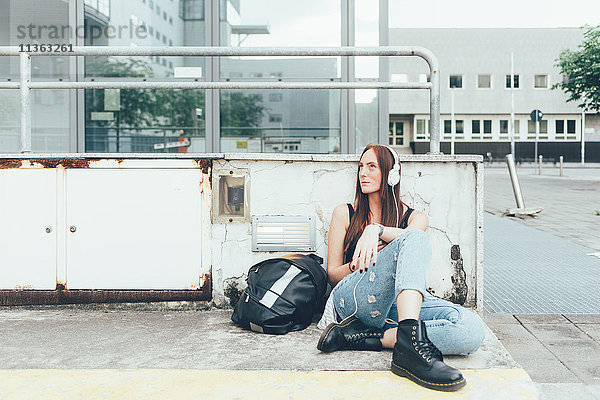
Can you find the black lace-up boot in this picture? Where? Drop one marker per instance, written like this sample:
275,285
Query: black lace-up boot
350,334
417,359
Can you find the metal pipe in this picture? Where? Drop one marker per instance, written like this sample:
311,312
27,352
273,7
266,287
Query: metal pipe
560,161
583,137
540,157
416,51
512,103
10,85
512,170
25,66
229,85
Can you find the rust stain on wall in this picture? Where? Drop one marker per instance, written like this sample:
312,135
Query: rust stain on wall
10,163
205,165
62,295
63,162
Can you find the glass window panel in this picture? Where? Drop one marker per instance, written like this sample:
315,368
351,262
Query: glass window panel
460,126
475,127
541,81
447,126
531,127
366,116
517,126
571,126
503,126
282,23
487,126
455,81
421,129
366,22
484,81
144,121
132,23
37,22
516,81
560,126
306,121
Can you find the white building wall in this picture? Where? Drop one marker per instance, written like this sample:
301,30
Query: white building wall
447,189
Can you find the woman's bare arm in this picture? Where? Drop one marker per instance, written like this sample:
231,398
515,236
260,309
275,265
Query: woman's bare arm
336,269
367,248
417,220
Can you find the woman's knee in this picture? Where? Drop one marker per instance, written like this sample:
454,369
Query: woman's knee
414,238
473,332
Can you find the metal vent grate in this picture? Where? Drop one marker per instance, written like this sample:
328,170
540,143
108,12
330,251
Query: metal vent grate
283,233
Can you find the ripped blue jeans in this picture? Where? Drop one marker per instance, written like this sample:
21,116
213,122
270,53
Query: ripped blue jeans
403,264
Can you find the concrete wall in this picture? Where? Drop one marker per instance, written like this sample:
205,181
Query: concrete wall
448,189
141,221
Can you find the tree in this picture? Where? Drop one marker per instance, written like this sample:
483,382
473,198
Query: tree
166,107
242,111
581,69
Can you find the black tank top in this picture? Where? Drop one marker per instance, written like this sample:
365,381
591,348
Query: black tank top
348,254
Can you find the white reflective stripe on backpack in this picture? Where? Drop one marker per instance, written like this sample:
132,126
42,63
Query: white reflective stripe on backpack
279,286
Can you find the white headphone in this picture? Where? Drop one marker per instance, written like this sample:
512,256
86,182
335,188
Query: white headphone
394,174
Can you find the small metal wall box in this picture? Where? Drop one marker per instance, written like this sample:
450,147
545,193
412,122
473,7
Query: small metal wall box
231,202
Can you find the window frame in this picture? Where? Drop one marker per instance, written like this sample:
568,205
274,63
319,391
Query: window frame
462,81
540,87
516,88
485,88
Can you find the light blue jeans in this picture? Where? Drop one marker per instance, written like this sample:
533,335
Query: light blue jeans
403,264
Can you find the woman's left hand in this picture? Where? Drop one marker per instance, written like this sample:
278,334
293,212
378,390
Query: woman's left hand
366,249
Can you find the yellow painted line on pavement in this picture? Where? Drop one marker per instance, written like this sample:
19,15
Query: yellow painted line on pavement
493,383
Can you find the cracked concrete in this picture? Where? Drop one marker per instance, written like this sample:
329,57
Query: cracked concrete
444,190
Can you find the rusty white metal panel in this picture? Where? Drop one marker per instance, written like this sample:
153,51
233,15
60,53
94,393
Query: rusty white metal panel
133,229
28,229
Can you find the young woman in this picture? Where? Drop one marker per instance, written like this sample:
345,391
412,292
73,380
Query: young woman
377,261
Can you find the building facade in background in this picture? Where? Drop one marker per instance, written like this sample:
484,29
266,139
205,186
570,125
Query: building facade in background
476,78
475,67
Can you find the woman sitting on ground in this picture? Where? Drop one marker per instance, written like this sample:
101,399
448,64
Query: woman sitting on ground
377,261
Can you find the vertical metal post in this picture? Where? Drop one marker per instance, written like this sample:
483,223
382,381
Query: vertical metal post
452,124
510,161
583,137
434,110
383,96
537,137
512,104
540,164
560,161
25,65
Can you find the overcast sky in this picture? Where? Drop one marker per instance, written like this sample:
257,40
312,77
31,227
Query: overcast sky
297,23
494,14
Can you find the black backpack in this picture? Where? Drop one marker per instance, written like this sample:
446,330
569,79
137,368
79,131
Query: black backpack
282,294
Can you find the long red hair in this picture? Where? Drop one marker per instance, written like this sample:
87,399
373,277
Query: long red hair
360,219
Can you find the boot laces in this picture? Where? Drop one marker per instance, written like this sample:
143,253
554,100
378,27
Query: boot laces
359,337
429,350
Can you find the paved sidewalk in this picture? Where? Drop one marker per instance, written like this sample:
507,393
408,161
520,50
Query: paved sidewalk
91,353
527,270
569,202
561,353
542,276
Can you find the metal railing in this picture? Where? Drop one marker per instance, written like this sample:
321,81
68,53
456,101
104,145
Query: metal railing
25,85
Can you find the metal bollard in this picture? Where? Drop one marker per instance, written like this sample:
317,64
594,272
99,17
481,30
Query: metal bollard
560,161
540,164
510,160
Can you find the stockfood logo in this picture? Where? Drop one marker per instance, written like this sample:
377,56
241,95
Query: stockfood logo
35,32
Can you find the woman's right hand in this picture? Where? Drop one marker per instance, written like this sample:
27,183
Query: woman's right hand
366,249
